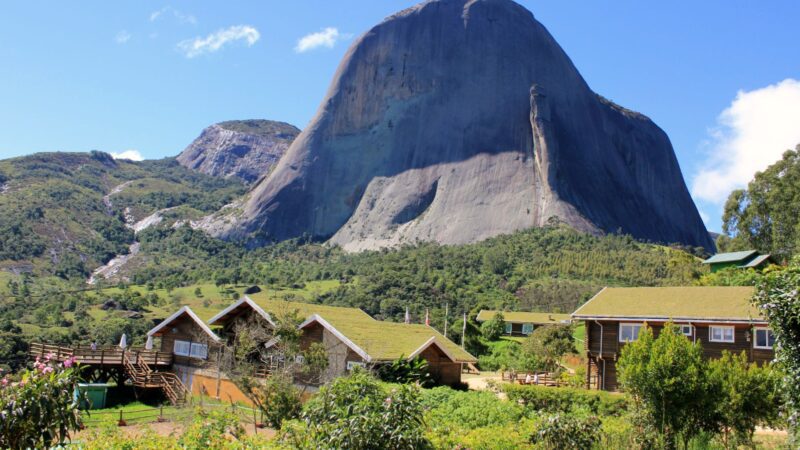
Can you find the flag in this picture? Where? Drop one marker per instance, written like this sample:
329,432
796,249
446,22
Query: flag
427,318
408,317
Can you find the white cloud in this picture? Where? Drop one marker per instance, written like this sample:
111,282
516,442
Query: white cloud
215,41
133,155
325,38
752,133
122,37
178,15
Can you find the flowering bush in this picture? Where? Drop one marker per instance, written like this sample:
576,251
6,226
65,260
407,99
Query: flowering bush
39,410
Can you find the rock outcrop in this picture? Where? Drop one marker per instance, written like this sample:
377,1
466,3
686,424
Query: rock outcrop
457,120
245,149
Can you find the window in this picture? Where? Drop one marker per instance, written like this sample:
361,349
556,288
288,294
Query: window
763,338
527,328
352,364
509,327
629,331
720,334
199,351
181,348
686,330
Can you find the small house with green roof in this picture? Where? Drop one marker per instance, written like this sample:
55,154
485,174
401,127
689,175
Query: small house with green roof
748,259
720,318
350,336
521,323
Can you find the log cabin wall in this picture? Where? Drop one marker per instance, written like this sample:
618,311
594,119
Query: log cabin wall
442,369
186,329
611,347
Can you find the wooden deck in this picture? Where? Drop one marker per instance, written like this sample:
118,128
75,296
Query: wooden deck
138,365
112,356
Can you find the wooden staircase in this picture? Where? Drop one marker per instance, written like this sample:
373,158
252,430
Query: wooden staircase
143,377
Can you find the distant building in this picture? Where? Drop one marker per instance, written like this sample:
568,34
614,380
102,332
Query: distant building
720,318
520,323
746,259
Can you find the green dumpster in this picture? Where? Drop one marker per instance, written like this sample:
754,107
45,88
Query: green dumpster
94,395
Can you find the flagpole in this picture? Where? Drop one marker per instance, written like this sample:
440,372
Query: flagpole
446,309
464,330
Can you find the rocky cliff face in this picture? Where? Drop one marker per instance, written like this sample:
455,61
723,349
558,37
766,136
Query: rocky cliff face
245,149
457,120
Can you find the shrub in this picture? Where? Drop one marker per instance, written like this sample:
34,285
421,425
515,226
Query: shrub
555,400
39,410
468,410
357,412
493,328
668,381
405,371
567,432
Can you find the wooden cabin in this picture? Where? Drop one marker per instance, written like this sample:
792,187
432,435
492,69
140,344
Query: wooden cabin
521,323
748,259
719,318
370,342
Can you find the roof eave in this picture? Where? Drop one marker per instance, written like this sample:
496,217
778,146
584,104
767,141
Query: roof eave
673,319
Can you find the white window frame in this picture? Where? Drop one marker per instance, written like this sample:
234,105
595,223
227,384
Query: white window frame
636,326
509,328
527,328
198,351
353,364
723,328
181,347
755,338
684,327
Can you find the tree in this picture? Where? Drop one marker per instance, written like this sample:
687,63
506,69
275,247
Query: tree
548,344
493,328
745,395
358,413
765,216
666,377
278,398
39,411
778,298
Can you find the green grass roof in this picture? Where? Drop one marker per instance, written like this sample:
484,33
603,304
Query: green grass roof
524,317
380,340
696,303
729,257
275,306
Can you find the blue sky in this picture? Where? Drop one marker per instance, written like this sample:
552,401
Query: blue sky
718,76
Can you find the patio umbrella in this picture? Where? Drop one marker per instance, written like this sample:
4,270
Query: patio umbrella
149,344
123,341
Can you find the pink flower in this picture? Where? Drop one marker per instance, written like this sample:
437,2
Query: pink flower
69,362
47,370
4,382
49,357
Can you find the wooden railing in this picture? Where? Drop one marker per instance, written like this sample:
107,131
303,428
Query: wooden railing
142,376
102,356
535,378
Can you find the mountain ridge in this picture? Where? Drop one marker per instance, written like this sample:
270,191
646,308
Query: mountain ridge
404,132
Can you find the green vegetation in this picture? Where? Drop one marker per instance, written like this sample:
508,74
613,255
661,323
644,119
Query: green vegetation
37,407
764,216
678,395
778,298
64,214
359,413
